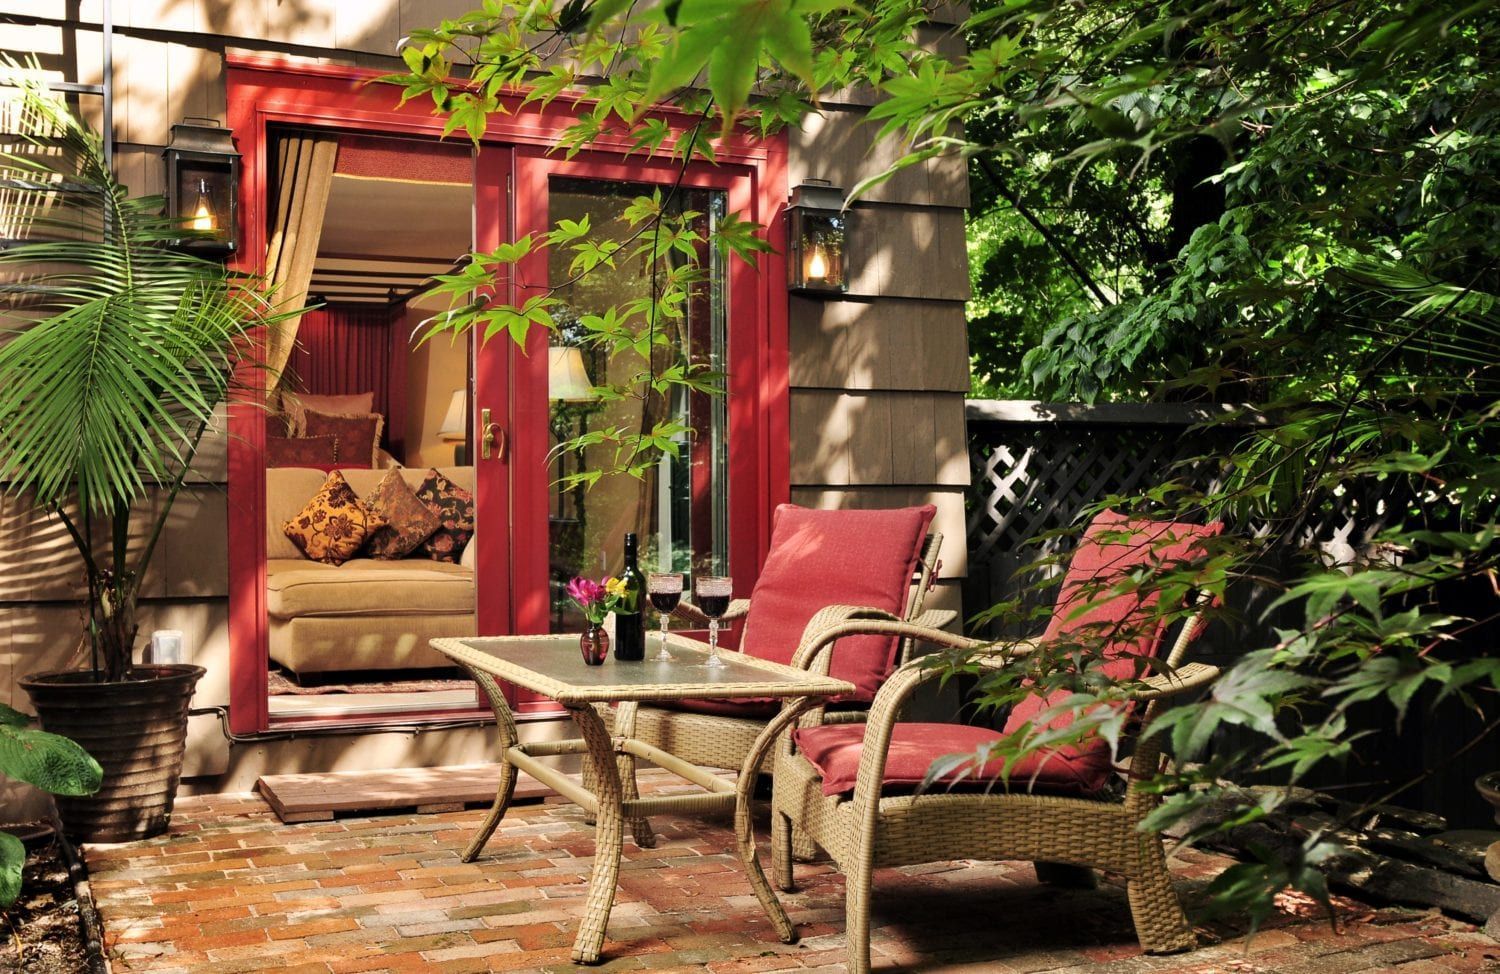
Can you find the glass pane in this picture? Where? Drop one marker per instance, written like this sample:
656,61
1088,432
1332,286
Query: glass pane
680,508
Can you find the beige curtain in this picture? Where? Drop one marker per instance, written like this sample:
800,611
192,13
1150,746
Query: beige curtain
305,176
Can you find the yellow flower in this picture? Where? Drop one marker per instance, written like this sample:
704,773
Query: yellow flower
615,587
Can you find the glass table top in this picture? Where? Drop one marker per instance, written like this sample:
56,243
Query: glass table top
552,665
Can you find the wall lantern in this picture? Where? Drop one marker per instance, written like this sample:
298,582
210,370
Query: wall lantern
203,186
817,230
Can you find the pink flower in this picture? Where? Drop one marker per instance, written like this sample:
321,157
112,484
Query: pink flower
593,599
586,592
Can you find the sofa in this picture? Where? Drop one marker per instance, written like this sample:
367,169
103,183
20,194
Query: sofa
365,614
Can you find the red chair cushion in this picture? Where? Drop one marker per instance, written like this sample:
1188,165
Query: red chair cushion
834,749
823,558
1104,558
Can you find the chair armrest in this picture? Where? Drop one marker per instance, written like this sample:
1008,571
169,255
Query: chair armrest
837,621
687,610
1184,679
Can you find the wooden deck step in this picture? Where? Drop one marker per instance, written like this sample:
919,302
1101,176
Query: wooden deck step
319,797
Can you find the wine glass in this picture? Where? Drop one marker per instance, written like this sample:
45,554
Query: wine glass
711,594
665,591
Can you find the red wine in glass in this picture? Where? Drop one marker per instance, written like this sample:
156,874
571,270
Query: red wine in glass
664,589
713,594
665,602
713,606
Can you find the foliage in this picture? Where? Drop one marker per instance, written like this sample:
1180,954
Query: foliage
119,349
50,762
1286,203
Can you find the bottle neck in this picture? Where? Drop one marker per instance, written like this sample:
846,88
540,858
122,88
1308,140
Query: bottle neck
631,551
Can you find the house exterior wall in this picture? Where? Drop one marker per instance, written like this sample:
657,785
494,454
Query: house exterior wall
877,378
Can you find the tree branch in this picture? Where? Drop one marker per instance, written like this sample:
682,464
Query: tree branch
1052,239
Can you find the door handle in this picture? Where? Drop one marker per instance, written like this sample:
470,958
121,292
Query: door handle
492,438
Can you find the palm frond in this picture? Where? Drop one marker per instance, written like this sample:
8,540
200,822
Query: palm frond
105,393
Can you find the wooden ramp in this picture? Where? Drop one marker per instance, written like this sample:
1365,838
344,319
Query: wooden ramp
319,797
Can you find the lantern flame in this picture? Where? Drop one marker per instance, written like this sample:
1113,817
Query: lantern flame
817,264
203,217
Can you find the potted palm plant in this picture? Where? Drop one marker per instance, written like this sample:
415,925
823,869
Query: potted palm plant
118,350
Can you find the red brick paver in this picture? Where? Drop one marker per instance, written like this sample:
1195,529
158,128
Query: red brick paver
231,889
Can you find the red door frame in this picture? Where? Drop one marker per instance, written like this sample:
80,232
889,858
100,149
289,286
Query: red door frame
264,92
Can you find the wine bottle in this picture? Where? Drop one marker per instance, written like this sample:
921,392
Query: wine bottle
630,634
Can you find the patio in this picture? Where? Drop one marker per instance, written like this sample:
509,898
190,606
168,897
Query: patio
232,889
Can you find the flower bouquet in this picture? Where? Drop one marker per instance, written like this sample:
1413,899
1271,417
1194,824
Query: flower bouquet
595,600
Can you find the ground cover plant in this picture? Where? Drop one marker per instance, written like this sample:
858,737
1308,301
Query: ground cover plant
1291,205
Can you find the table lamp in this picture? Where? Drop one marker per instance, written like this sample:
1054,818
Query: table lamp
455,427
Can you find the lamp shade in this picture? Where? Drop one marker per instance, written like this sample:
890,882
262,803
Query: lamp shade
567,380
455,421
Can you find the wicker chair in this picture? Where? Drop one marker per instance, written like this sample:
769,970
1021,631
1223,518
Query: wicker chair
867,829
718,740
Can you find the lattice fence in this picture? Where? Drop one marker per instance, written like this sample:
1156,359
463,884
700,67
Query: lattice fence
1036,467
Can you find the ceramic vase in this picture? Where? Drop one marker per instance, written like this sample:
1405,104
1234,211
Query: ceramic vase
594,644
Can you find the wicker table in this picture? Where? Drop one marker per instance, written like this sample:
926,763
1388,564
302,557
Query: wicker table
553,667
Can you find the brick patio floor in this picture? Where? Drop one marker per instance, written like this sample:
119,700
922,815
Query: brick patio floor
232,889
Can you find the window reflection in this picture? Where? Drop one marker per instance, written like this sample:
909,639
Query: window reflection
679,508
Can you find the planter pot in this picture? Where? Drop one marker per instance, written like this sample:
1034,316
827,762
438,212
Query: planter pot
136,729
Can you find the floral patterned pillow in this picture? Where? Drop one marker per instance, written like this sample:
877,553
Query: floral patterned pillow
455,506
409,522
334,524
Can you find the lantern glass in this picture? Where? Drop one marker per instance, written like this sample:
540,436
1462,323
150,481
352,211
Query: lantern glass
821,252
203,199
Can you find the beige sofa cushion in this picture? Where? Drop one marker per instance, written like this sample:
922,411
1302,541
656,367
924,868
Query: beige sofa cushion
319,644
367,587
288,489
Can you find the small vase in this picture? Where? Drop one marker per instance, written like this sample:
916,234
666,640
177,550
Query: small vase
594,644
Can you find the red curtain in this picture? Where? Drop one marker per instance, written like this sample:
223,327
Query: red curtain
342,350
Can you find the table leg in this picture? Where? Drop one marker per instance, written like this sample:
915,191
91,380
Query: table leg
609,835
505,730
745,830
640,825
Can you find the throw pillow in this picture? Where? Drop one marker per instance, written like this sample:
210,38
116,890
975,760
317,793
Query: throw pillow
295,405
359,436
334,524
409,522
455,506
302,451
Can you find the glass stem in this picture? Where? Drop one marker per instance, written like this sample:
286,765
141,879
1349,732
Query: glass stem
713,640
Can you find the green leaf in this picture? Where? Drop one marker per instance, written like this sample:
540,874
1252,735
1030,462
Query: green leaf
51,762
12,862
789,41
731,73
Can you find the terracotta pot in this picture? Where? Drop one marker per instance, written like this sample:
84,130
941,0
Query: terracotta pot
594,644
136,729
